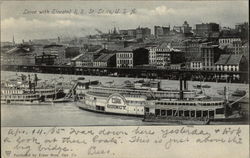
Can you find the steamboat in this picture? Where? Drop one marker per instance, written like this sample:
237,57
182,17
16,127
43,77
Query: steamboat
23,91
154,104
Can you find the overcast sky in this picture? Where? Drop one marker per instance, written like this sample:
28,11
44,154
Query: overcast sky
15,22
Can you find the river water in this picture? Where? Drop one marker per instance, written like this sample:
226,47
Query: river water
68,114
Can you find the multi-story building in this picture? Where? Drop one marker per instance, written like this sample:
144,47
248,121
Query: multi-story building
139,32
186,29
124,57
59,51
196,65
190,47
245,48
210,55
165,59
164,47
228,41
152,55
143,32
132,32
83,60
18,60
162,55
233,44
45,59
237,47
178,29
130,57
19,55
205,29
161,31
243,30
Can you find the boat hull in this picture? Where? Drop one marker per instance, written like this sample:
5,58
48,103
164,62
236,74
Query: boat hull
85,107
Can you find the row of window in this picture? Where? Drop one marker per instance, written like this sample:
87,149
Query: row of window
188,104
21,96
124,55
124,61
198,65
11,92
230,40
227,69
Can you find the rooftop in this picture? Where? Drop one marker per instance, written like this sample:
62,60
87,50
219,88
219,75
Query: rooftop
229,59
104,57
83,57
126,49
52,45
234,59
223,59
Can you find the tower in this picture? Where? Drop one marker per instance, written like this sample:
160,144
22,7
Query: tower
58,40
13,40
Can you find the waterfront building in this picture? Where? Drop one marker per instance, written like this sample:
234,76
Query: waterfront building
192,47
162,55
45,59
210,55
155,58
231,62
83,60
152,55
177,66
19,55
196,65
73,51
59,51
131,56
105,60
124,57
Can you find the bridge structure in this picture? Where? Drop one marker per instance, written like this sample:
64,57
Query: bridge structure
196,75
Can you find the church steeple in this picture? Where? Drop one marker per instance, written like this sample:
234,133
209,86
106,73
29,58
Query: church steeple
13,41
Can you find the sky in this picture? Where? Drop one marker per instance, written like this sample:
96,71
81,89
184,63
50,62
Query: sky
25,19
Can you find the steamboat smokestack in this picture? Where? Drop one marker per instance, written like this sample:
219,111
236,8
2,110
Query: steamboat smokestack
30,87
181,90
185,84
